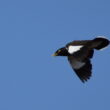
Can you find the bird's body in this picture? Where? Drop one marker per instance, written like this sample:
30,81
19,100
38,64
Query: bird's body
79,55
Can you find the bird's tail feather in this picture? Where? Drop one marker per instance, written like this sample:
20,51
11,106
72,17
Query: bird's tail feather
100,43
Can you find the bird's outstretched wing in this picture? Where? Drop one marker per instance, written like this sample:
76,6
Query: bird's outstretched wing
82,69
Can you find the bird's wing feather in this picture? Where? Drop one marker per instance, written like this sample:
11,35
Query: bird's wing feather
83,53
80,49
82,69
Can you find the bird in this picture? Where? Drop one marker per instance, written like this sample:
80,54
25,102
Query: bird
79,54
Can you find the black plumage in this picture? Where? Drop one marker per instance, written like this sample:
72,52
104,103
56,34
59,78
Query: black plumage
79,55
85,72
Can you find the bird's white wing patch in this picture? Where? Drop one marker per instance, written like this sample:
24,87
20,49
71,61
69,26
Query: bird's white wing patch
72,49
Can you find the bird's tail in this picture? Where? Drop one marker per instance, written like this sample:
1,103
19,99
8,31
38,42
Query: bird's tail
100,43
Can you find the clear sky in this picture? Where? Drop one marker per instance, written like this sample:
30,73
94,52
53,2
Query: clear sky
30,31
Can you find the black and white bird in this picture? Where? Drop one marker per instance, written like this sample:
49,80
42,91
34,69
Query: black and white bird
79,54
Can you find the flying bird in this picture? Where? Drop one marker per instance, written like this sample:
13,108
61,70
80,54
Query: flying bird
79,54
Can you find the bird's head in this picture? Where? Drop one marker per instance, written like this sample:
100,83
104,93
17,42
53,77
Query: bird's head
61,52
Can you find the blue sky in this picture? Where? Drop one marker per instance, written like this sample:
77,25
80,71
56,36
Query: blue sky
30,31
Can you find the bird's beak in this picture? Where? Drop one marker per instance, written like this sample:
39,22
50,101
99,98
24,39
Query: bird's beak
55,54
